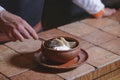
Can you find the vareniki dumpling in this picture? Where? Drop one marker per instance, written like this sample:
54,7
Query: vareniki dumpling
61,44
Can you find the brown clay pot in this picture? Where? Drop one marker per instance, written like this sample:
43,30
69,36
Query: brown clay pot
58,55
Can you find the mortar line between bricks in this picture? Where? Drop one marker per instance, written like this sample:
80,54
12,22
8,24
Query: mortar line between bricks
16,51
60,76
13,49
100,46
103,47
104,32
109,33
19,73
69,33
90,25
109,50
97,27
5,76
92,65
102,29
87,34
20,55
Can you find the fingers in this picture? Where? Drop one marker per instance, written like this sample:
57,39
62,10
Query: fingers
23,32
10,36
31,30
17,35
16,28
114,11
109,12
20,33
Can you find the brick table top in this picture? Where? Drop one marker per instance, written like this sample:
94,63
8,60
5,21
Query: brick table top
100,38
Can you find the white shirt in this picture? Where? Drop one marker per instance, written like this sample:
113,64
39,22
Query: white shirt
91,6
1,9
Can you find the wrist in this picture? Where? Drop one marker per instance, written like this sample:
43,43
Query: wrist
99,14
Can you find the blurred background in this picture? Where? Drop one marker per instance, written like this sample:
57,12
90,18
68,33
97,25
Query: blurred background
61,12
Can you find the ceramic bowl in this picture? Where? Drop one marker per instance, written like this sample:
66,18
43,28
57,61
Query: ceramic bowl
60,56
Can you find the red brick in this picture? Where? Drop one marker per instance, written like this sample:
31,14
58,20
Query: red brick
33,75
46,35
113,29
113,45
77,73
10,69
5,53
16,64
98,37
99,23
85,45
27,46
100,57
77,29
3,77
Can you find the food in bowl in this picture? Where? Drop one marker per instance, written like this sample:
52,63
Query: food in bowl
60,49
61,44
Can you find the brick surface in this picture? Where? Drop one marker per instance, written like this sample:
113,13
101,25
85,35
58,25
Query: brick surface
114,29
5,53
46,35
3,77
10,69
11,63
78,29
32,75
113,45
76,73
26,46
15,65
98,37
85,45
99,23
100,57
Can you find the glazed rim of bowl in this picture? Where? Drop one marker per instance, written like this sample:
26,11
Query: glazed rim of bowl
67,38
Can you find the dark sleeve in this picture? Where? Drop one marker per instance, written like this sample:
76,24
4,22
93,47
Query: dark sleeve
30,10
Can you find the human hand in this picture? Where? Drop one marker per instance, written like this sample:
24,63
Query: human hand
15,27
108,12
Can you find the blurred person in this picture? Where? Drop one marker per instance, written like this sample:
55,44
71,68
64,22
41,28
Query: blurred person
21,19
95,7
